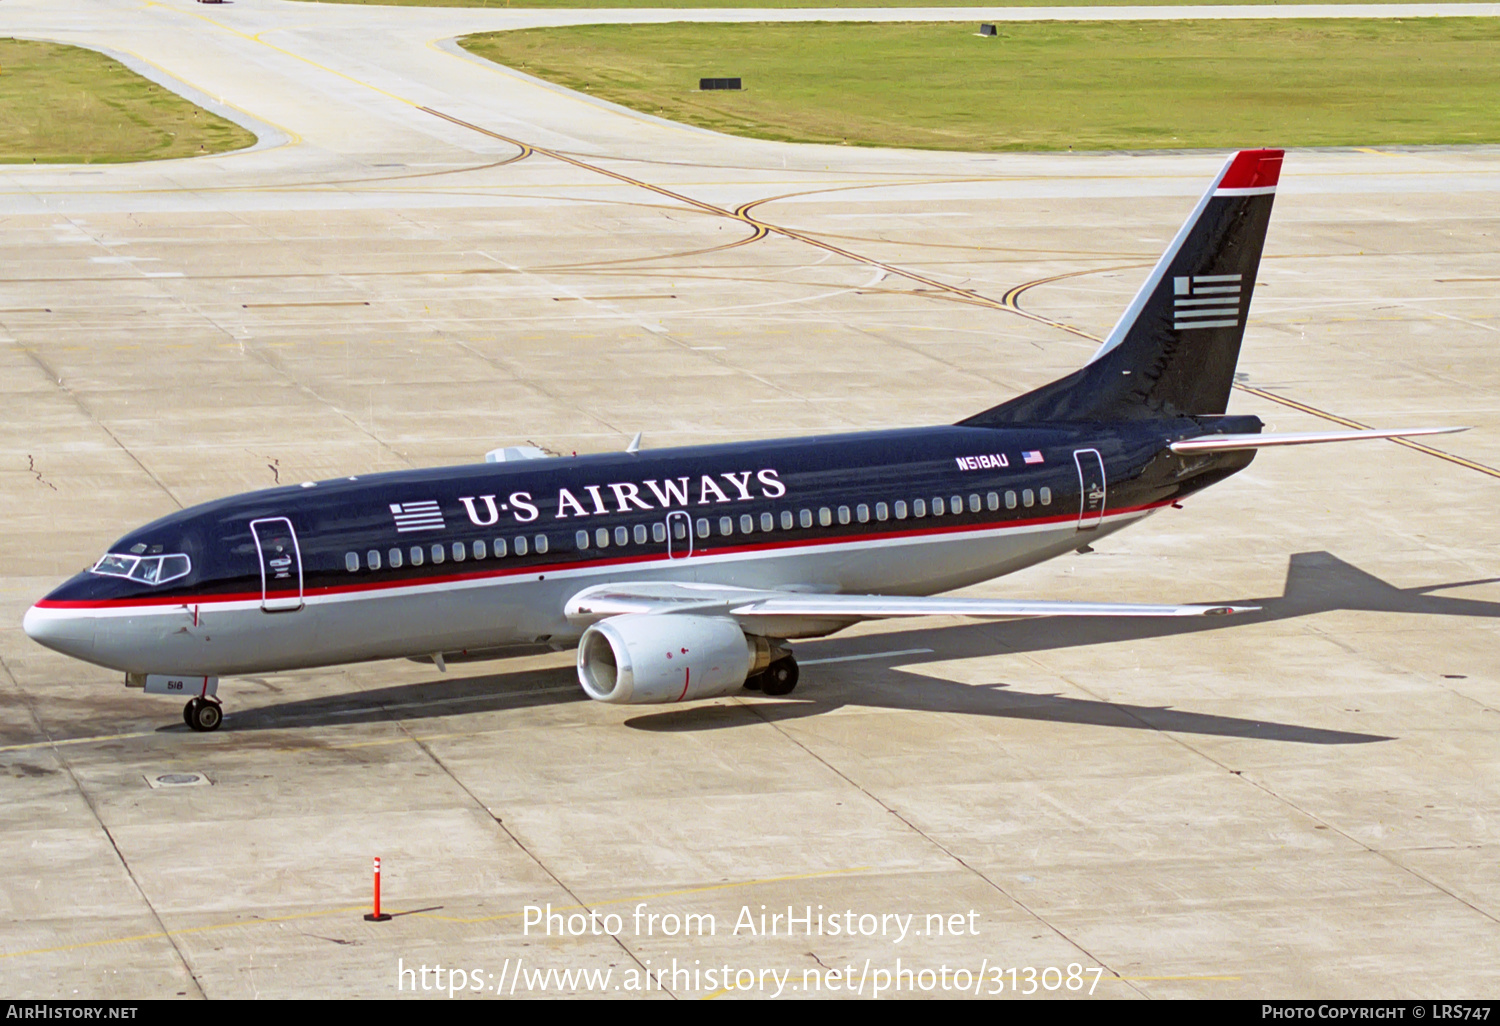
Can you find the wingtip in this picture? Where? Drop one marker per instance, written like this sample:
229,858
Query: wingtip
1229,610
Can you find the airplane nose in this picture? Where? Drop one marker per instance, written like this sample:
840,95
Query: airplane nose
61,630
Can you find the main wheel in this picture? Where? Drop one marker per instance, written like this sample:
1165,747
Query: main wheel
207,715
189,710
780,677
756,681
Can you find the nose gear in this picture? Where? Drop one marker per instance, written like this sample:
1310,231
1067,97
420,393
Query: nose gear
203,714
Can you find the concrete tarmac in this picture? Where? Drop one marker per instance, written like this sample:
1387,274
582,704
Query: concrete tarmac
430,256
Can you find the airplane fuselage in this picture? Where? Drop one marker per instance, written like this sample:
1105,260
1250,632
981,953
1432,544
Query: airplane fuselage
482,557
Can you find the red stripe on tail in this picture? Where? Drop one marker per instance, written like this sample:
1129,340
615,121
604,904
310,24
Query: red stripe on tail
1253,169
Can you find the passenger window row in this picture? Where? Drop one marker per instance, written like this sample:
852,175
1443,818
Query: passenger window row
747,523
458,551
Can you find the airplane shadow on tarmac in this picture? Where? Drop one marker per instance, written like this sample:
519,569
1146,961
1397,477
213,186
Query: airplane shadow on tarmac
1316,582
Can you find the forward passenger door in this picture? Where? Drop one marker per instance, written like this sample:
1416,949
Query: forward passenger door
280,565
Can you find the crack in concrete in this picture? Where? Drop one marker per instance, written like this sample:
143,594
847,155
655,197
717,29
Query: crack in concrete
31,466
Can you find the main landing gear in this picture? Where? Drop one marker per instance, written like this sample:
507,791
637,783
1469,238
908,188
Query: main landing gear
203,714
777,679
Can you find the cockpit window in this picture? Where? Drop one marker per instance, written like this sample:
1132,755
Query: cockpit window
147,570
116,566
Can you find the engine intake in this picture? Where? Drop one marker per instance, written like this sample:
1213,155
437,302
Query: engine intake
644,658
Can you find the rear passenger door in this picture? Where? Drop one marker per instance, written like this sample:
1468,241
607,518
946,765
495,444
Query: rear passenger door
1091,485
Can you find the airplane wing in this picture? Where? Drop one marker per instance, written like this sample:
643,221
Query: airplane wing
749,605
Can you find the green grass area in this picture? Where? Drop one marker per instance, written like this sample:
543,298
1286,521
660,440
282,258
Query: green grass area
831,3
1044,85
63,104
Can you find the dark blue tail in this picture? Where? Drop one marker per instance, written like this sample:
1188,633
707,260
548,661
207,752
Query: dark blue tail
1174,349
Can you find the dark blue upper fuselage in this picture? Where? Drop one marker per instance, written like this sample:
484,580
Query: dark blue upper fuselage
544,514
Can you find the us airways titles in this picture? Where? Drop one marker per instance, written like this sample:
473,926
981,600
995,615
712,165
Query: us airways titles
631,496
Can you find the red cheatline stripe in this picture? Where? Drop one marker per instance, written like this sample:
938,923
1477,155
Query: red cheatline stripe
418,582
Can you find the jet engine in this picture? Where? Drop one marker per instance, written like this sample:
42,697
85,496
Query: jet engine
644,658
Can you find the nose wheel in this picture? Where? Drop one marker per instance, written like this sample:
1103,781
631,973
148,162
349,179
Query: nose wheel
203,714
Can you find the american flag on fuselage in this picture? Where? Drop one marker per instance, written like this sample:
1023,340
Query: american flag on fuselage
417,516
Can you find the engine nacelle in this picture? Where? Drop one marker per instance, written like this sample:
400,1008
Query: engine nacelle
643,658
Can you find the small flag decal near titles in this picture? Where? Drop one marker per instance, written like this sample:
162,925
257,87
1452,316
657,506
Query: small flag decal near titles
1206,301
417,516
1033,456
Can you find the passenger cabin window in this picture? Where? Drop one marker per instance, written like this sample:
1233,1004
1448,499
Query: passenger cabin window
974,504
1010,500
767,522
395,558
726,526
825,517
702,527
747,523
601,537
372,559
659,531
843,514
640,534
881,511
992,501
622,536
459,552
1027,498
938,509
862,513
437,554
581,539
956,504
541,543
900,509
416,555
500,548
479,550
521,545
918,508
351,561
679,529
805,518
1046,496
787,520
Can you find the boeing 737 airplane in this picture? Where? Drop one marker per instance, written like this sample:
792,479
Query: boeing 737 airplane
683,573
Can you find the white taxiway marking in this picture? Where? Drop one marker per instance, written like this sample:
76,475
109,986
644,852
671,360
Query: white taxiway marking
872,655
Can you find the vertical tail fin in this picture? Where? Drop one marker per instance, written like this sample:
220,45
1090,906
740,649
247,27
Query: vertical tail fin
1174,349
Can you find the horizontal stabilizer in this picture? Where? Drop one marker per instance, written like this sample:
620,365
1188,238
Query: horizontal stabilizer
1230,443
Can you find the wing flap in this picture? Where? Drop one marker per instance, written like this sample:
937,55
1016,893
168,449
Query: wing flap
871,607
748,604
